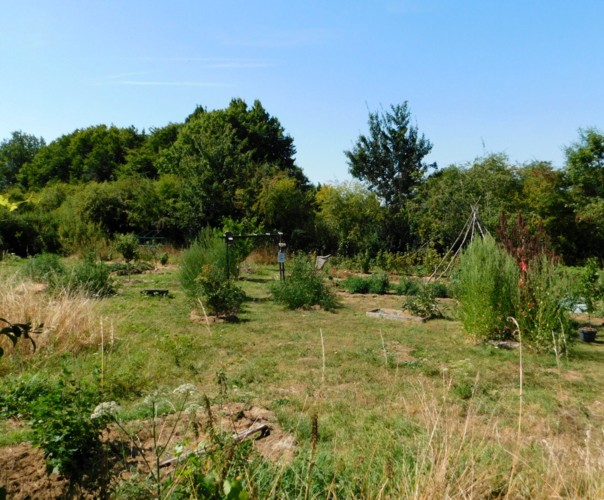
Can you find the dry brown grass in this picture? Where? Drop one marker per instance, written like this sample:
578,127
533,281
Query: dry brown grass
70,322
474,455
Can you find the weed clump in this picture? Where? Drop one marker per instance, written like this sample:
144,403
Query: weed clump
423,303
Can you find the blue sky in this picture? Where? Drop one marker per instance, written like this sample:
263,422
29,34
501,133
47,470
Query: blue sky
519,77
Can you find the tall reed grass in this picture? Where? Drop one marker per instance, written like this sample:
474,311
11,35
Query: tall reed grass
487,289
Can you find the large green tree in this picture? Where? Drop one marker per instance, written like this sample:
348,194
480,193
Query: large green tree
350,219
390,158
225,157
445,200
15,152
91,154
585,166
585,172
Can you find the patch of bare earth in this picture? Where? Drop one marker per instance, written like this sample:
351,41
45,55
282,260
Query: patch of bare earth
23,470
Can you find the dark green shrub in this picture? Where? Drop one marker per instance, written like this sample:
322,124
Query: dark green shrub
219,295
408,287
128,246
203,275
163,258
356,284
379,283
63,426
42,266
439,290
87,276
423,303
304,288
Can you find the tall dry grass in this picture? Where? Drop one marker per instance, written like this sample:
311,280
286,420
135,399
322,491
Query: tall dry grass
478,455
70,321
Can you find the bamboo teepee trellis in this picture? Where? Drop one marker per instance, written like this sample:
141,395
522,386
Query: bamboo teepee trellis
472,227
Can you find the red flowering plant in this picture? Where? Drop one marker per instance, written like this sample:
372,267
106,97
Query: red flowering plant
542,285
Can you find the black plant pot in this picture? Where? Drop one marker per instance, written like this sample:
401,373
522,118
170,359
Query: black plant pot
587,334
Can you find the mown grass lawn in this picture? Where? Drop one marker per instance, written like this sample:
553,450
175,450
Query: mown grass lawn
405,409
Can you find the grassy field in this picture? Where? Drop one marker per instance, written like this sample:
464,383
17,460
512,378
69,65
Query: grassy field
404,409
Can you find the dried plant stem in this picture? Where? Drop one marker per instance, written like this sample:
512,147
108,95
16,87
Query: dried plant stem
515,455
102,356
323,355
205,315
384,350
314,439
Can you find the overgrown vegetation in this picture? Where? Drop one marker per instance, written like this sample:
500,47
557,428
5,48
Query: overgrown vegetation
422,411
409,390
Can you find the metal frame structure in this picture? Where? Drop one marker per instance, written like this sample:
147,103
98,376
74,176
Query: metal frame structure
229,239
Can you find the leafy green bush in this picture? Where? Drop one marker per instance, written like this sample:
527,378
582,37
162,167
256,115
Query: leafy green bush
17,393
439,290
128,246
423,303
122,269
487,289
376,283
203,275
63,427
356,284
62,417
379,283
408,287
87,276
304,288
220,296
41,267
207,249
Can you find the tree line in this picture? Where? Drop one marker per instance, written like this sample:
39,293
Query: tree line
236,167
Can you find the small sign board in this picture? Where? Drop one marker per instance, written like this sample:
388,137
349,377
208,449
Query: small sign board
281,257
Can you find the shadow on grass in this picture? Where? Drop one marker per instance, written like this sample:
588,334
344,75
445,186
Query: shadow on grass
257,280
